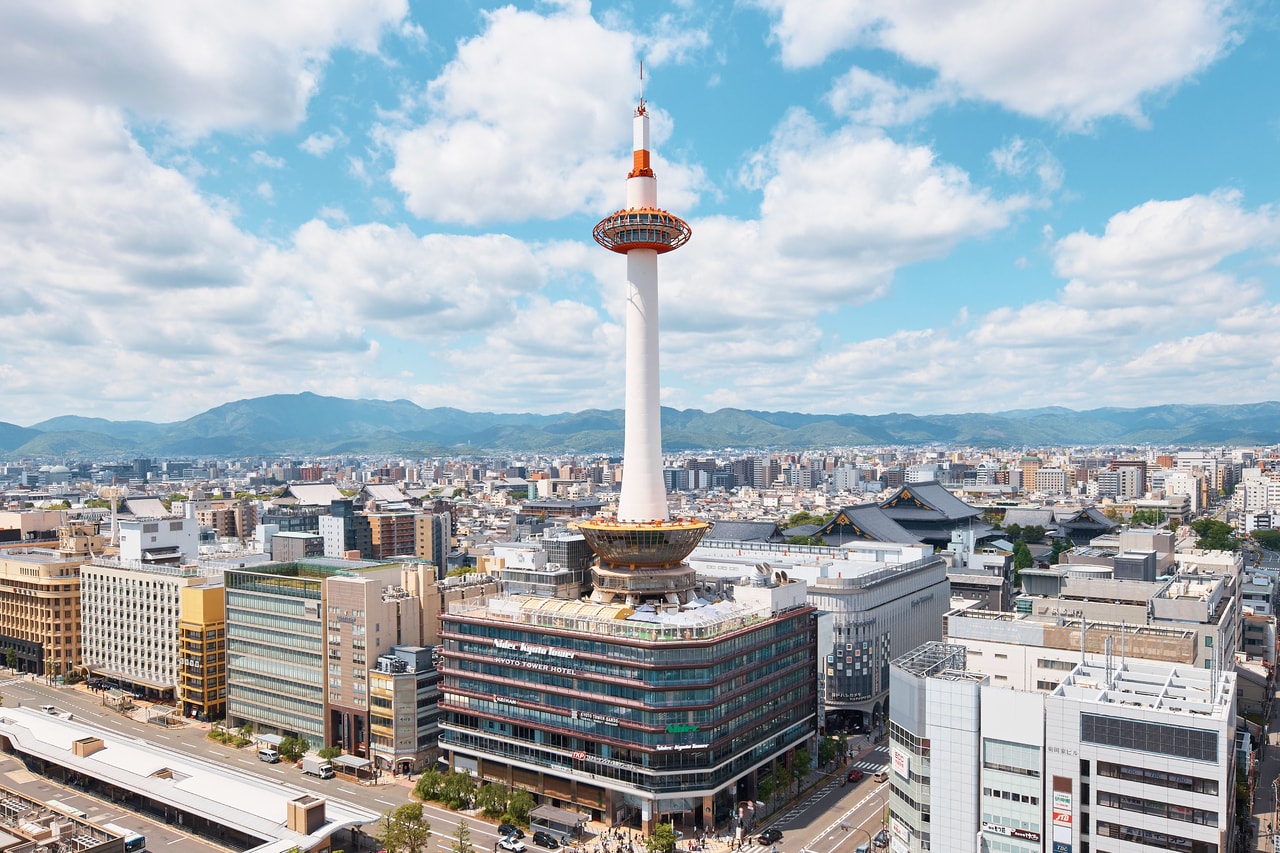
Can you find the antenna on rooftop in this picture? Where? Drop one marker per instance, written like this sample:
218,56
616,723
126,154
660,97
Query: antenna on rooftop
1106,647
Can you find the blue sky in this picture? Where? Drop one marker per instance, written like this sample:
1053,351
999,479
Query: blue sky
913,206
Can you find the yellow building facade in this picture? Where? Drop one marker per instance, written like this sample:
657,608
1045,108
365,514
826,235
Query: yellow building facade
202,652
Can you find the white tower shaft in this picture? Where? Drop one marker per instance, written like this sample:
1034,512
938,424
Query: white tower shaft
644,495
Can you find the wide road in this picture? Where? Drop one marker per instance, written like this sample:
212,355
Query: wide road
88,707
836,818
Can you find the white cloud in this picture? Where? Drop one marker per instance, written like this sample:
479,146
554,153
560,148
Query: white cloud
319,144
1069,61
551,146
868,98
265,191
1166,241
262,158
1023,157
198,67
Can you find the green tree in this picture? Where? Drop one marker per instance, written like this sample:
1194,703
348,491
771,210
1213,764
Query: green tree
663,839
1214,535
1033,533
767,787
1013,532
1060,546
828,749
462,839
491,799
806,517
806,540
405,829
1021,560
330,752
1148,517
11,657
458,789
429,785
800,762
1269,539
519,804
293,747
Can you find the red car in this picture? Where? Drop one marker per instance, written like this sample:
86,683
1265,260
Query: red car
855,775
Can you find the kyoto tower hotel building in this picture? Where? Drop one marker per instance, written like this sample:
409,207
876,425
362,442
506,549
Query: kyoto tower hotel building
656,697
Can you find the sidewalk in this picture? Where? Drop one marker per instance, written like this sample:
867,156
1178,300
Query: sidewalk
1264,805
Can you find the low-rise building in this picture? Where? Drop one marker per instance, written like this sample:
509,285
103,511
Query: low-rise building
404,710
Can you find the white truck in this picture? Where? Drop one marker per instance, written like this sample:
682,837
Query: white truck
313,765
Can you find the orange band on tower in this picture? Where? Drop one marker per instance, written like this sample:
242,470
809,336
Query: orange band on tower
640,164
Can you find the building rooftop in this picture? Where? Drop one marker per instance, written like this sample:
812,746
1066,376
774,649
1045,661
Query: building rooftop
1176,688
933,659
693,621
245,802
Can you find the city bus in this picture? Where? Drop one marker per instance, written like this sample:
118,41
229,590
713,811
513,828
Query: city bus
132,840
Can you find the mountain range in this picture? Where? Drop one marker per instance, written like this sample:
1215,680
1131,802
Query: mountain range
310,424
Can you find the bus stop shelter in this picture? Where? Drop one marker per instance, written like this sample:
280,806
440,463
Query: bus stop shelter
559,822
353,765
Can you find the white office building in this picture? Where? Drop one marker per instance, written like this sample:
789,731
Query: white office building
129,613
1122,755
1141,755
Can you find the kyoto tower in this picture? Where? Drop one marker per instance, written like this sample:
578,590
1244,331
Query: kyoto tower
642,550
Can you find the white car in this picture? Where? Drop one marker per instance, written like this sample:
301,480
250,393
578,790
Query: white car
512,845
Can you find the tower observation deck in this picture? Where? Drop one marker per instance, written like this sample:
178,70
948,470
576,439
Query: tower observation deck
643,537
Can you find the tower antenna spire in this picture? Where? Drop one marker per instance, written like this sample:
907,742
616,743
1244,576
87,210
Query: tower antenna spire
640,109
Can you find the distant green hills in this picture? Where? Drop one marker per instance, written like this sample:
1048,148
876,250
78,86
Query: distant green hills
310,424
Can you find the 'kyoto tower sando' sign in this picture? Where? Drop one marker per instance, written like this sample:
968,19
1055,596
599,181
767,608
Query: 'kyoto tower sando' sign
643,536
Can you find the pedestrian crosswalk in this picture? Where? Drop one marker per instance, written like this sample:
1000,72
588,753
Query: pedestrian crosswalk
869,766
9,681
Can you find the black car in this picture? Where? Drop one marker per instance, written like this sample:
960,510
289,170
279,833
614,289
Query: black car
507,830
771,836
881,839
546,839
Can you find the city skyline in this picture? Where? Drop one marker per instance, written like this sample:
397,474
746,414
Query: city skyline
892,210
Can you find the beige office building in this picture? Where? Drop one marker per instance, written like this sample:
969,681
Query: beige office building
40,601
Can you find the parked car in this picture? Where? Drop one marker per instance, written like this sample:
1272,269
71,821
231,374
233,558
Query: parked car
882,776
771,836
881,839
511,845
545,839
508,830
855,775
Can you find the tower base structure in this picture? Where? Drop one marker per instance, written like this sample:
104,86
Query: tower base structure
643,562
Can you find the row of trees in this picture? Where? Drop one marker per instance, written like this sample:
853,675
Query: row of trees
780,778
458,790
1269,539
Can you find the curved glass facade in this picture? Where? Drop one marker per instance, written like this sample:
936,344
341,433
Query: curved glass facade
652,717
